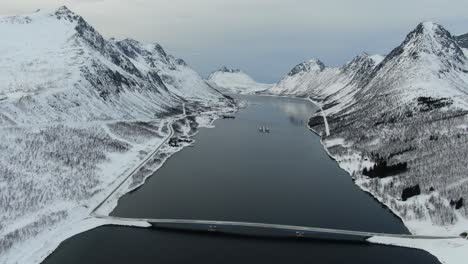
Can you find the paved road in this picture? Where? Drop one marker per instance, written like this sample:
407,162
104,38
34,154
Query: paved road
143,163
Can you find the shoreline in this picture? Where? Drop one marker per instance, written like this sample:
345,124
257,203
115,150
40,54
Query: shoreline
441,250
82,219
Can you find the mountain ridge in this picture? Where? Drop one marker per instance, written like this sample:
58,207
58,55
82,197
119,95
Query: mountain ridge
76,63
78,112
236,81
399,125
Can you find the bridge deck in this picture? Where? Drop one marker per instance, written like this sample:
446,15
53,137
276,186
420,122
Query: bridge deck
297,230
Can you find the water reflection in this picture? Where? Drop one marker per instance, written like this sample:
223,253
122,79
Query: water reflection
296,111
296,122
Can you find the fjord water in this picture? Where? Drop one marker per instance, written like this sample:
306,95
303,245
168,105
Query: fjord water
236,173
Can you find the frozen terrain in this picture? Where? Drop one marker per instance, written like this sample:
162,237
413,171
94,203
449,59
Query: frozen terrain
398,126
78,113
236,82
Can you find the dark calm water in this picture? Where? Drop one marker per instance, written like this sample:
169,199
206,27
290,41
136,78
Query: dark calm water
236,173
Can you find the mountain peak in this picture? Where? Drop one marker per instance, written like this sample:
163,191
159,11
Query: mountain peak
63,9
429,38
363,60
228,70
428,32
429,25
63,12
316,62
310,65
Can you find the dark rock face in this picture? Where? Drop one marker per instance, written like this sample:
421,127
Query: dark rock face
462,40
64,13
227,70
87,33
410,192
457,204
180,62
360,68
429,103
306,66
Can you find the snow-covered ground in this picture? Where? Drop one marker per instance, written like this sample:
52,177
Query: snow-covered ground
397,125
78,115
236,82
66,219
447,251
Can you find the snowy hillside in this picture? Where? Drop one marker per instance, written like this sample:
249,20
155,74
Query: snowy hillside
428,63
236,81
77,114
327,84
304,78
56,63
399,127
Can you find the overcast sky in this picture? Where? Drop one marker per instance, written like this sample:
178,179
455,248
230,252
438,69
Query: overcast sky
263,37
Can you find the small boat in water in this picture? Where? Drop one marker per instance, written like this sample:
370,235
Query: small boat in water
264,129
228,117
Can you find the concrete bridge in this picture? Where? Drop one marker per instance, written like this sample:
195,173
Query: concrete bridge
298,231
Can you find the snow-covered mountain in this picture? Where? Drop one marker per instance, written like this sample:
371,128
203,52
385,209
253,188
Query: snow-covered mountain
399,127
428,63
78,113
57,67
327,84
236,81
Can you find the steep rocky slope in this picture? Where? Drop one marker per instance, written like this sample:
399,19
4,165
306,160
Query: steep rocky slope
327,84
400,130
462,40
77,113
57,67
